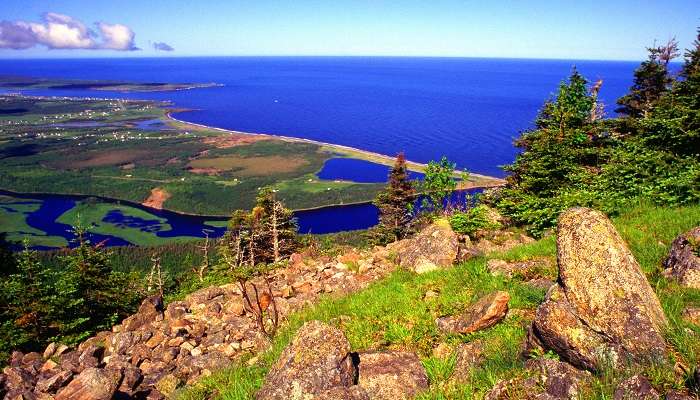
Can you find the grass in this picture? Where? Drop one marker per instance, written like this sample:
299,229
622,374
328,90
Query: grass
392,314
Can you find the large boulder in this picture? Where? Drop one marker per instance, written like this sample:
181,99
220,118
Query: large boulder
485,313
603,308
391,375
317,360
435,247
683,262
91,384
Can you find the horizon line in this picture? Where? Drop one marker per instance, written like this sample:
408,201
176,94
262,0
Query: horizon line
120,57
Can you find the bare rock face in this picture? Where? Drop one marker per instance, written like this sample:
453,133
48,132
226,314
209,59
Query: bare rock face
683,262
603,308
91,384
317,360
636,387
435,247
391,375
552,380
485,313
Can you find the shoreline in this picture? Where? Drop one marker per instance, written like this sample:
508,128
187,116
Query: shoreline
479,182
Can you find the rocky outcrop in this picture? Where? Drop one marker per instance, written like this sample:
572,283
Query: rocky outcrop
391,375
683,262
317,360
435,247
91,384
467,357
636,387
602,309
485,313
161,348
550,380
318,364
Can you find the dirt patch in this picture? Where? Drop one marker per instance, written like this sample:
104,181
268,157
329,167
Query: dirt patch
106,158
205,171
248,166
157,198
232,140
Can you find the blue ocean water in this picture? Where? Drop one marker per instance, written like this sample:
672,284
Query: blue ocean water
467,109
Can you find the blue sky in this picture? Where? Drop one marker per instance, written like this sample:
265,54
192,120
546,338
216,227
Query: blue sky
613,29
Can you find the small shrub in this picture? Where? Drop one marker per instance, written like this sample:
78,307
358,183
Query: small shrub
472,220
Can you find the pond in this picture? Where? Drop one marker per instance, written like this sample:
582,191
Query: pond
351,169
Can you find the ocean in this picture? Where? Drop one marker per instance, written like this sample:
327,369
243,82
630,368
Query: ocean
467,109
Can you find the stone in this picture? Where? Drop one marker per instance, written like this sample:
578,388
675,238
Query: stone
391,375
343,393
151,310
168,384
636,387
50,350
91,384
485,313
683,262
692,315
468,356
551,380
678,395
52,383
435,247
603,308
316,360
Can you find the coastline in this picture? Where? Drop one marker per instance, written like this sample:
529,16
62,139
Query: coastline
477,181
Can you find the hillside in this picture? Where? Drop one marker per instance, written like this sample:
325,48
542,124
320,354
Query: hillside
357,293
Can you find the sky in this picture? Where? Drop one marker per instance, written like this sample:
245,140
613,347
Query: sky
584,29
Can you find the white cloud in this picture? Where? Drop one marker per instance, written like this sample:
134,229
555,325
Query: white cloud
58,31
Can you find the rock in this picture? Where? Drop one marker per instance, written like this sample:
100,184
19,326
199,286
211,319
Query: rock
50,350
168,384
692,315
636,387
469,355
317,359
442,351
683,262
560,380
485,313
435,247
91,384
391,375
602,309
52,383
552,380
151,310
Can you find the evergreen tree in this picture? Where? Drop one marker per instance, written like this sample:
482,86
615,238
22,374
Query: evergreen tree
651,80
37,305
8,263
557,154
109,295
395,204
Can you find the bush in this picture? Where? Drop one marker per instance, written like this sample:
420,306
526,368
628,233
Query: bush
472,220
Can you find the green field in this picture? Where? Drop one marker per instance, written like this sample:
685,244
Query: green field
95,147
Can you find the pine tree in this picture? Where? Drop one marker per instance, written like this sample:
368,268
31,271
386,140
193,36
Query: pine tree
395,204
8,263
651,81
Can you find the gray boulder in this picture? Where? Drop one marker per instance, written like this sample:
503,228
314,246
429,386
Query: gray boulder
683,262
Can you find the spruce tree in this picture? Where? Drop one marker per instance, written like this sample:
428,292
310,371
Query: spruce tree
651,80
395,204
